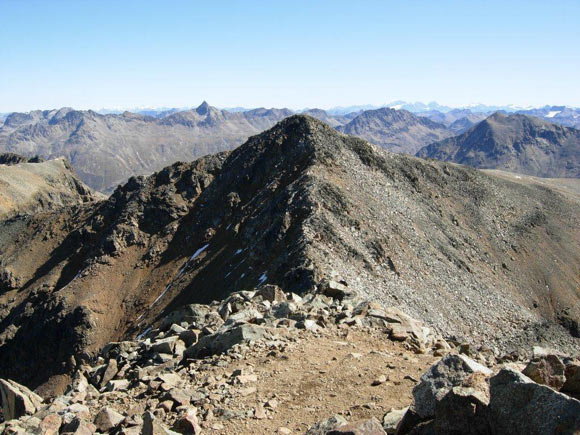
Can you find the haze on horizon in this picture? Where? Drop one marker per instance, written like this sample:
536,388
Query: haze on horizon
106,54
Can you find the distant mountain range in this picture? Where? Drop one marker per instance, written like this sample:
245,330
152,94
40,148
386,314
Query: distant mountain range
105,149
396,130
516,143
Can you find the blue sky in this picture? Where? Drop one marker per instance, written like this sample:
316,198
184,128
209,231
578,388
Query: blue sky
96,54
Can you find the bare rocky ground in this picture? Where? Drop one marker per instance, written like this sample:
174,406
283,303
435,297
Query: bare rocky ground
269,362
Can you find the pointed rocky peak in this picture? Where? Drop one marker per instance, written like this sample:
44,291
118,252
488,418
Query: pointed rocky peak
203,108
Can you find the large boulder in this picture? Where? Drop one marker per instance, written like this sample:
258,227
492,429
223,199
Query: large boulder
224,339
17,400
464,410
547,370
572,384
451,371
518,405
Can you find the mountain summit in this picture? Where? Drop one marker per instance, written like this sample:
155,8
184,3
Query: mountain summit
470,253
396,130
516,143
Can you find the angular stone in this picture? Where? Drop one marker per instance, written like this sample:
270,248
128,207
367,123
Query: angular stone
188,423
50,424
107,418
365,427
110,371
451,371
392,418
520,406
164,345
547,370
324,426
225,339
17,400
271,293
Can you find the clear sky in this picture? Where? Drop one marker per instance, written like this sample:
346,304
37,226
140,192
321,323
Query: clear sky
123,53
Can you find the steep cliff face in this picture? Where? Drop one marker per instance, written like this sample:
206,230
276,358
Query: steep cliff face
474,254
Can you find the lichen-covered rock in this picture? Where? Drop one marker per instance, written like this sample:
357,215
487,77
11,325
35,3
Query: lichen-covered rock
520,406
451,371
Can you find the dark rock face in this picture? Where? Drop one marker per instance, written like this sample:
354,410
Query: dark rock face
520,406
291,207
516,143
396,130
14,159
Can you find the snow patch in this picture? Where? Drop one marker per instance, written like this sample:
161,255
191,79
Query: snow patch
553,113
198,252
161,295
263,278
144,333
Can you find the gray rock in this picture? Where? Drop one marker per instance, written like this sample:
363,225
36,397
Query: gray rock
324,426
224,339
449,372
520,406
365,427
17,400
164,345
392,418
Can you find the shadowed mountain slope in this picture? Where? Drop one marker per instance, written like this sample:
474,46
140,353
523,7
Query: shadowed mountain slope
475,255
515,143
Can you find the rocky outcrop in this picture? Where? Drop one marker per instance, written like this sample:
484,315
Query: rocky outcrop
507,402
